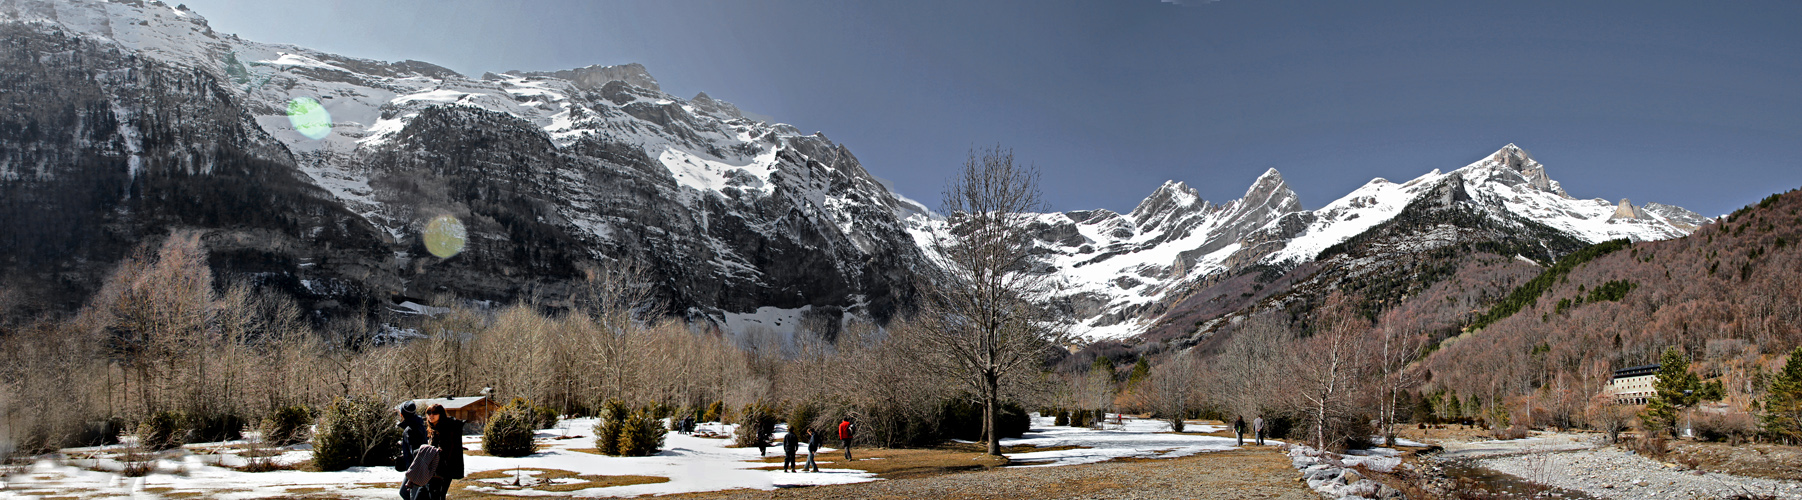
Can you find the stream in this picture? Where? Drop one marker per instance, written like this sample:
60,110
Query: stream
1486,483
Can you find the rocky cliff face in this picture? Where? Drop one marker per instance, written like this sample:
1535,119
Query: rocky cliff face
553,174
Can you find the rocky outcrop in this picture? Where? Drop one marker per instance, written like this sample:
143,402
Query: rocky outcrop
1626,210
597,76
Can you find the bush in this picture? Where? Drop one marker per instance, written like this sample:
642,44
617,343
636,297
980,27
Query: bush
1655,446
1733,427
509,431
355,432
1347,433
162,431
715,412
962,419
641,436
215,428
607,430
1063,419
626,433
756,422
675,418
801,418
543,417
287,425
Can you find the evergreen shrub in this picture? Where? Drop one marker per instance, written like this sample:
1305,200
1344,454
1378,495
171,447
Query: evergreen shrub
287,425
355,432
627,433
509,431
162,431
757,421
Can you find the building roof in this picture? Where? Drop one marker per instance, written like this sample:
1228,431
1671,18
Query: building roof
1636,371
451,403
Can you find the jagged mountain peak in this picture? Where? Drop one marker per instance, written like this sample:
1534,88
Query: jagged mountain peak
1172,193
1270,188
1514,165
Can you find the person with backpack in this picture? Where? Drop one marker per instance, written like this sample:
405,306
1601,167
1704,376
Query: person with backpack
412,437
1239,429
445,433
790,445
844,436
1257,430
813,450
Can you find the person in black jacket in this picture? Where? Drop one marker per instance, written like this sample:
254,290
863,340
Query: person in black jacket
813,449
412,436
446,433
790,444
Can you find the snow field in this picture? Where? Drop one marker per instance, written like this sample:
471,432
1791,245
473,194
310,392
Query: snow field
1137,438
690,463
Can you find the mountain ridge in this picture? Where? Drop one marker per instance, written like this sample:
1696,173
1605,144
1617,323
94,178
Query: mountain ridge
744,220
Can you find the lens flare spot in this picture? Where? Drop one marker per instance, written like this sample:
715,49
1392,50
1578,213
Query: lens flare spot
309,117
444,236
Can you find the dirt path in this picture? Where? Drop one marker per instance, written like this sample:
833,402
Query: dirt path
1220,475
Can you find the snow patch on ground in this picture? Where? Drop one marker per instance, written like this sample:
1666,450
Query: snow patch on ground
1134,438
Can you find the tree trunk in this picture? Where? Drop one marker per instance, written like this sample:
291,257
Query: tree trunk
990,389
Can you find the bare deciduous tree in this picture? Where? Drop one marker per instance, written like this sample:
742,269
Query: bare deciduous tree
1400,342
983,321
1252,362
1329,365
1171,390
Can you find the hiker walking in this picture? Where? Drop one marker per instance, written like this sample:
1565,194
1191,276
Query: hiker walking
763,443
813,449
412,436
446,434
790,444
1257,430
844,436
1239,429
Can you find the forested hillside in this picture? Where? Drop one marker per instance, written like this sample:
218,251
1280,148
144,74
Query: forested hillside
1729,297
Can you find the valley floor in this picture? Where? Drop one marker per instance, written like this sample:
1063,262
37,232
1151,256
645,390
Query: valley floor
1127,458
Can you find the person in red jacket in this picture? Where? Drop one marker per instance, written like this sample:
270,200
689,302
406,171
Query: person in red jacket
844,436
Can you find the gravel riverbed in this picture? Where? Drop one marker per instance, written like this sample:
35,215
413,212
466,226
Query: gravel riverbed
1612,473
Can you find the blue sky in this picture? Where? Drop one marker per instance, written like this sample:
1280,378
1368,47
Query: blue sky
1695,104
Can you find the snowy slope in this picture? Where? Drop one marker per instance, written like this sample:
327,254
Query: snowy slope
1118,270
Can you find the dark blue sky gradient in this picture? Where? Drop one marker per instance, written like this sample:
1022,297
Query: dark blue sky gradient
1695,104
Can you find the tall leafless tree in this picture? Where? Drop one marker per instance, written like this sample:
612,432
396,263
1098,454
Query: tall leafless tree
1330,365
1401,341
984,320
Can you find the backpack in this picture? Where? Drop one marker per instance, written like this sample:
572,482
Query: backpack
425,465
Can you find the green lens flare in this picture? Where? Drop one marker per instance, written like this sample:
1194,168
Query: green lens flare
309,118
444,236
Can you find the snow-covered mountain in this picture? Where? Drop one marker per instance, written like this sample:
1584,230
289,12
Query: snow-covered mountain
1120,271
554,174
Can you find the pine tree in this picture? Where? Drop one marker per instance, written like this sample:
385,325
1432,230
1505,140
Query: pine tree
1140,371
1677,389
1783,408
